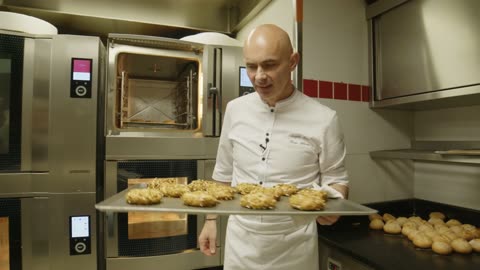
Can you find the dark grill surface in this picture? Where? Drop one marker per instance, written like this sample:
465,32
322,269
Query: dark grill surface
395,252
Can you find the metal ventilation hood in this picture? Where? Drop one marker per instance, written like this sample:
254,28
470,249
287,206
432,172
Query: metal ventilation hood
165,18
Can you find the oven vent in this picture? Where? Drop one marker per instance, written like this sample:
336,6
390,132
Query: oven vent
154,42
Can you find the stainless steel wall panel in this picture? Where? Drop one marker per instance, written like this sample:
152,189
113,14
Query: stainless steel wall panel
61,206
36,220
27,99
72,144
35,94
188,260
40,104
121,148
427,50
23,184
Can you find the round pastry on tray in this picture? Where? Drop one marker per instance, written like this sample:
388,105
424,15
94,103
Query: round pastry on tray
313,192
200,184
245,188
276,193
307,202
258,200
286,189
173,190
143,196
221,192
199,199
156,183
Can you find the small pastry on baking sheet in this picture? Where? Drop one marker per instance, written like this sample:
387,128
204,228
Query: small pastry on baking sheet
143,196
199,199
307,202
245,188
314,192
258,200
221,192
173,190
276,193
200,184
286,189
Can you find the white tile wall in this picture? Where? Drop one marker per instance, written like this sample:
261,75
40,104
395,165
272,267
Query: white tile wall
450,124
448,183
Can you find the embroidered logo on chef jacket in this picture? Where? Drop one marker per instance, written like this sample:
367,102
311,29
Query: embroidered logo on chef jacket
300,139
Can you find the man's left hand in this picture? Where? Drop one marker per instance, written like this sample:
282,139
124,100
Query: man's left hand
327,220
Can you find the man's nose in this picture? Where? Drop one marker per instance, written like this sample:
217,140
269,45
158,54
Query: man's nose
260,74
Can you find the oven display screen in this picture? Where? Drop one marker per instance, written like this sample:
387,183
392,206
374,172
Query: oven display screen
244,80
80,226
82,69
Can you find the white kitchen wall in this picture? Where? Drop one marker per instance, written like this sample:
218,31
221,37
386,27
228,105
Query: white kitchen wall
335,50
447,182
279,12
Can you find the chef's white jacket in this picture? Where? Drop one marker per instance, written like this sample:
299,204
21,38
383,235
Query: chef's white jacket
298,141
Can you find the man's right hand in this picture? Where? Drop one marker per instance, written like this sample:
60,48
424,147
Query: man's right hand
208,237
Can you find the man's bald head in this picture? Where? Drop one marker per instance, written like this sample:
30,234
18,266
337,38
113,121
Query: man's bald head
269,36
270,60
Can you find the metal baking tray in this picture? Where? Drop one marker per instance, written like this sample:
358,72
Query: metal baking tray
340,207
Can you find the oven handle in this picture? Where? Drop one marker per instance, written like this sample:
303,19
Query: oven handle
214,94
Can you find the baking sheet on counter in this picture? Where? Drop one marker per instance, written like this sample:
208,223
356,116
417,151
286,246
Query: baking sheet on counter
341,207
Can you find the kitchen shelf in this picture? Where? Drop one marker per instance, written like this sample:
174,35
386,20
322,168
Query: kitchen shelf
425,155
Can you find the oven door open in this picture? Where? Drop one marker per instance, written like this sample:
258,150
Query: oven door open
154,239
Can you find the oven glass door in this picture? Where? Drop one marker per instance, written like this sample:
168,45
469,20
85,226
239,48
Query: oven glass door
157,92
10,231
150,234
11,77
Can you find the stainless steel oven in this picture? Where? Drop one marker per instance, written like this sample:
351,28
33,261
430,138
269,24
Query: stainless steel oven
49,170
153,239
164,106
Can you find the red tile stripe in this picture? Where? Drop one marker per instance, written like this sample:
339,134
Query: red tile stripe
354,92
340,90
336,90
310,88
326,89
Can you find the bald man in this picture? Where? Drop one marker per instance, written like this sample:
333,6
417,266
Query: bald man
275,135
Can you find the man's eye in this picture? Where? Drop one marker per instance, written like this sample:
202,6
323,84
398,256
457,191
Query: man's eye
268,65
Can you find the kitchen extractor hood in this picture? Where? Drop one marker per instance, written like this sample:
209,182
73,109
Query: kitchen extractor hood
424,53
166,18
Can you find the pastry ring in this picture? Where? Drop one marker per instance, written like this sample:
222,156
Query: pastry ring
307,202
143,196
258,200
199,199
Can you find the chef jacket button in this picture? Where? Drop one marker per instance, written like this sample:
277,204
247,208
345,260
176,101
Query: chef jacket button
272,110
268,134
261,183
263,158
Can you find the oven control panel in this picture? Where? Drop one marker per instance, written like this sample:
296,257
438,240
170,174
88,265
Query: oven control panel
81,78
246,86
80,242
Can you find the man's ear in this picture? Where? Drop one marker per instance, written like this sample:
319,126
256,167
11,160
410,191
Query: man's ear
294,60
